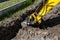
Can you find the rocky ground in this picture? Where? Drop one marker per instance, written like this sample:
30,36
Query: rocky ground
51,32
31,33
10,29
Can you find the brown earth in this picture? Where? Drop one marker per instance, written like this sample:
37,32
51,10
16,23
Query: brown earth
50,32
31,33
10,29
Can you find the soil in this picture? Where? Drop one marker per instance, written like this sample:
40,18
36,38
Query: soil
31,33
50,32
12,29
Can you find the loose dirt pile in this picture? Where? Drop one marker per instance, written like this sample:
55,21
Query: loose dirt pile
31,33
52,31
12,30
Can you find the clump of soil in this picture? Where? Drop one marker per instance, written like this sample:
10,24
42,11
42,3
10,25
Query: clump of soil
31,33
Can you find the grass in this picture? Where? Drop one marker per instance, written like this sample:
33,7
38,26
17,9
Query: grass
11,12
9,3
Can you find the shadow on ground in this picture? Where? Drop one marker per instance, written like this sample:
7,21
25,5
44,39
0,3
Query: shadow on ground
52,22
7,33
48,23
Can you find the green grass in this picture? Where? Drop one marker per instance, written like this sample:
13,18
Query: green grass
9,3
12,12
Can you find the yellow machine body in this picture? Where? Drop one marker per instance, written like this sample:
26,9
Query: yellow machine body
45,9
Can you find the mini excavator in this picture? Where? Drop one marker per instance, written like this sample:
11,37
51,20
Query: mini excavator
40,12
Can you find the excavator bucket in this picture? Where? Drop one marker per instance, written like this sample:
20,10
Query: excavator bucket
44,7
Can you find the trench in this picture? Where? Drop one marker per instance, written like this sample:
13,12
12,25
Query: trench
7,33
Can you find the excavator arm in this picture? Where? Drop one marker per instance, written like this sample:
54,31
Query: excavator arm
43,8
